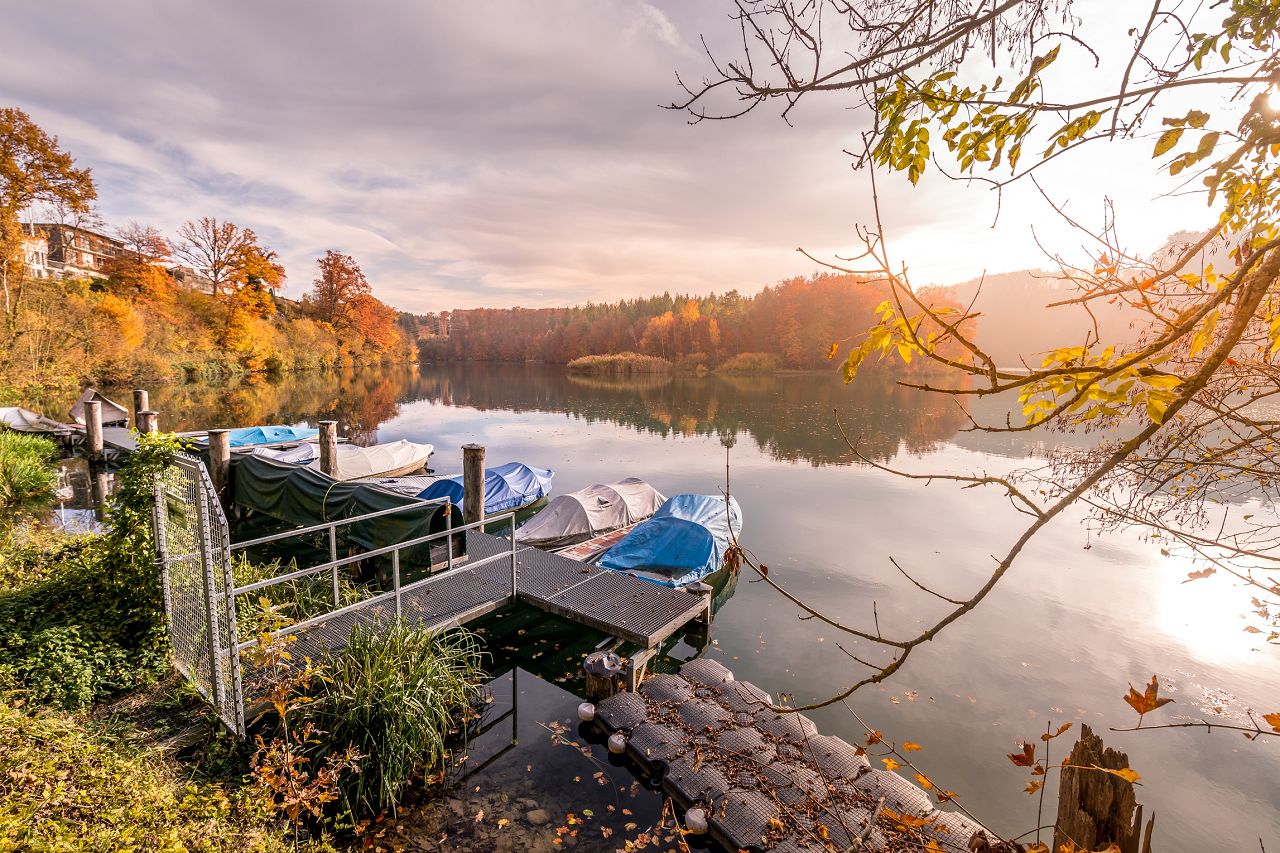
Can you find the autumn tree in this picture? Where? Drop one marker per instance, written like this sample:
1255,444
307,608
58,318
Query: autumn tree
227,254
33,170
139,270
1182,413
339,282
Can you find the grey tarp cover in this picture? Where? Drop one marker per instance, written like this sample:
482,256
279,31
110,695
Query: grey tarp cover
354,462
300,495
598,508
25,420
112,413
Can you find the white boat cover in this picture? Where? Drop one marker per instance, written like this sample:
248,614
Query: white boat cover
354,462
588,512
112,413
25,420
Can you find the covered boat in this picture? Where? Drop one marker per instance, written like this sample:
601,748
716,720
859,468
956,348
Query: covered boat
599,508
506,487
113,414
263,435
357,463
25,420
685,541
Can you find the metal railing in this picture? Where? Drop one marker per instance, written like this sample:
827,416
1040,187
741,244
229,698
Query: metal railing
397,591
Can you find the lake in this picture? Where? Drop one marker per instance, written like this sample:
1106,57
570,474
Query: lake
1075,622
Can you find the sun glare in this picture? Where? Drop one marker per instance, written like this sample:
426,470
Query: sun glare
1205,616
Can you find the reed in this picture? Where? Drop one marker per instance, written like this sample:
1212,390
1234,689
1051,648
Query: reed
749,362
624,363
399,694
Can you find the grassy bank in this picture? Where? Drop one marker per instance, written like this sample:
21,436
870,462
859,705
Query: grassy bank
26,472
82,629
625,363
749,362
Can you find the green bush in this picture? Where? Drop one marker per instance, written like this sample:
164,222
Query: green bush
26,469
397,693
72,787
87,611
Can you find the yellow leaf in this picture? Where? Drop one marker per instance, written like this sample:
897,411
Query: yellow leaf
924,781
910,746
1273,720
890,764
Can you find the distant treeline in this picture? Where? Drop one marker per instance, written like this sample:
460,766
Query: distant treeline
794,322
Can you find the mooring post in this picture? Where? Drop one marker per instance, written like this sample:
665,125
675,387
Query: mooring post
220,464
148,421
141,403
472,483
328,447
93,432
602,669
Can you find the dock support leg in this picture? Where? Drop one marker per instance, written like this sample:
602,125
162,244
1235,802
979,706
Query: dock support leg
93,432
636,667
148,421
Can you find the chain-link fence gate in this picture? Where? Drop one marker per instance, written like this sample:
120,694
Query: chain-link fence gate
193,544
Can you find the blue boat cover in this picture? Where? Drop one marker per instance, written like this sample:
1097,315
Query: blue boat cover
250,436
506,487
684,541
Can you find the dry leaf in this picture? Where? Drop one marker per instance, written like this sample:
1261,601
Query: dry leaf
1026,758
1147,701
910,746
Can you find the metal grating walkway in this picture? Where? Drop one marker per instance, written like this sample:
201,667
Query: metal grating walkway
634,610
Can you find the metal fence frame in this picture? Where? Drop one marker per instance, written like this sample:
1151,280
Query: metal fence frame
194,548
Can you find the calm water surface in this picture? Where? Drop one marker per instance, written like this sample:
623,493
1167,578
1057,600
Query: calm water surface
1076,620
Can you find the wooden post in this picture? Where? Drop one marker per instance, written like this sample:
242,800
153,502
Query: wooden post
472,483
220,463
148,421
93,432
328,447
1096,809
602,670
141,403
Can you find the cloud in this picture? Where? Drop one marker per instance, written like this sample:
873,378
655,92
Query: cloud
497,155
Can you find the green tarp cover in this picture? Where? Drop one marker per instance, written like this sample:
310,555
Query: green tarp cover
304,496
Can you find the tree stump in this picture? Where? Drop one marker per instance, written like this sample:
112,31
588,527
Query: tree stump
1095,808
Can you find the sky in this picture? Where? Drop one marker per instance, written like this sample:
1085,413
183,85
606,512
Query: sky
503,154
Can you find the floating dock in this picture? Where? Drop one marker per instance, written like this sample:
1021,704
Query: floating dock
639,612
767,781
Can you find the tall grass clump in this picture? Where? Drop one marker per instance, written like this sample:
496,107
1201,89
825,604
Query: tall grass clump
749,362
298,599
624,363
26,468
397,693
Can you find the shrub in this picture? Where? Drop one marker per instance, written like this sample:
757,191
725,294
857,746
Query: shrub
71,787
624,363
396,693
26,472
749,362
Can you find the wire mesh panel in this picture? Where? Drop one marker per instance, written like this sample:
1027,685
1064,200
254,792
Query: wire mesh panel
194,547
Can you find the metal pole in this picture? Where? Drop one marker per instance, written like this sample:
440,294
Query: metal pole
328,447
333,556
141,403
514,571
448,512
395,578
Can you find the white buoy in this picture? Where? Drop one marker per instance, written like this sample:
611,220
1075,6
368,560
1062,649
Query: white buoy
696,821
586,712
617,743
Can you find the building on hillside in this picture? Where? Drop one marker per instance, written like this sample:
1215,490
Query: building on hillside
35,253
191,279
74,252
